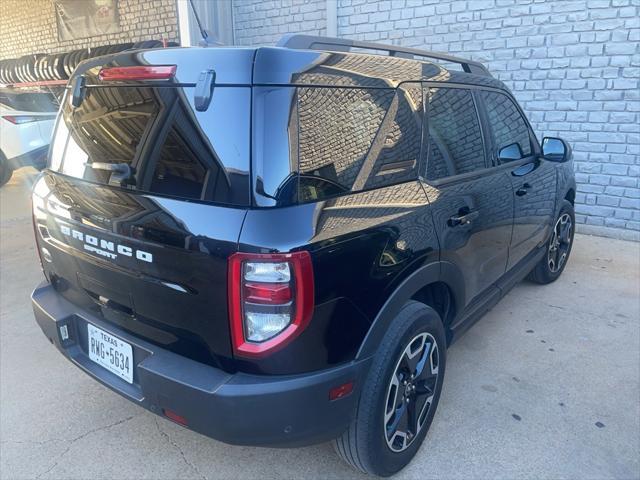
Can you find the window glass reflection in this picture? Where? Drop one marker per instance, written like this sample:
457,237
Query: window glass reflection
353,139
153,140
455,138
509,130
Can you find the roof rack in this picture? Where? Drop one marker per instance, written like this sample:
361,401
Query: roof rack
311,42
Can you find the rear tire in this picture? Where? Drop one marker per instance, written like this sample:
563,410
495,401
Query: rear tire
5,170
558,247
385,433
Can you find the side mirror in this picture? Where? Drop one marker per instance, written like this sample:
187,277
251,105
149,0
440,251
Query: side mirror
555,149
510,153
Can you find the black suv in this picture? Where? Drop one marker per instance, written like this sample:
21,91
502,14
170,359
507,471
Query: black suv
276,246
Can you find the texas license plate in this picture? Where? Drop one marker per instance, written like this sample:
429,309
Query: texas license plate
110,352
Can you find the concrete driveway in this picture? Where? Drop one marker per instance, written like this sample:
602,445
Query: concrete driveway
545,386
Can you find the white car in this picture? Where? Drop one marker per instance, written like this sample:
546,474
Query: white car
26,123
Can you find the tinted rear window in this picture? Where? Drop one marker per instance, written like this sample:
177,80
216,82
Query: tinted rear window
455,138
356,139
153,140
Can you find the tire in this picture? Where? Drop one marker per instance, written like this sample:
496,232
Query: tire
558,247
369,445
58,67
5,170
4,65
20,70
65,64
146,44
38,67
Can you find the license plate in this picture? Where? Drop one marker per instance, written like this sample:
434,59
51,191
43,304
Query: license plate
111,353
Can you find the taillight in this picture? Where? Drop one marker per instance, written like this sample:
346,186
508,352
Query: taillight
270,300
145,72
20,119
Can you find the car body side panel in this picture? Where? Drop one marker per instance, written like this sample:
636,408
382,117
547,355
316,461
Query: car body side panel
18,140
480,248
566,182
534,187
363,245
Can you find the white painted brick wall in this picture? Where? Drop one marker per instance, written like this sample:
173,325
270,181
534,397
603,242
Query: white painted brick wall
573,65
263,22
29,26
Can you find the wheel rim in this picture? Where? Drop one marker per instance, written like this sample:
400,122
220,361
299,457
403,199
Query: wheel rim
411,392
560,243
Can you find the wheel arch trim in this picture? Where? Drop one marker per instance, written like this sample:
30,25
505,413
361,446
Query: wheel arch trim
438,271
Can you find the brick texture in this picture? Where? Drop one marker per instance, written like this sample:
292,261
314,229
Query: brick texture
574,66
29,26
260,22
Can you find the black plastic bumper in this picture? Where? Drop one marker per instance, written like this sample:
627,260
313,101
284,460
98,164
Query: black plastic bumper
277,411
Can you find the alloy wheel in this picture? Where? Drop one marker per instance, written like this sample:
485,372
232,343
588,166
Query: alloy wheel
560,243
411,392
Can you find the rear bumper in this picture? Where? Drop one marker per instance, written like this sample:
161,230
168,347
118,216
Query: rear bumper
277,411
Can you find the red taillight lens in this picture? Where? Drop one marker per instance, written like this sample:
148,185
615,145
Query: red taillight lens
270,300
146,72
268,293
20,119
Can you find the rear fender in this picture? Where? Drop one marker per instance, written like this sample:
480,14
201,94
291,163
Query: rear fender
433,272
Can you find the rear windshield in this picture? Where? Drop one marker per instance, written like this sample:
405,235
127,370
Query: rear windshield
153,140
29,101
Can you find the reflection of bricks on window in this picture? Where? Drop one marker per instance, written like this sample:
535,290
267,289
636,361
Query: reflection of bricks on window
455,141
337,127
398,159
364,135
506,123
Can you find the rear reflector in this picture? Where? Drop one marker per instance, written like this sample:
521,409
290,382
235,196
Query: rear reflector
147,72
174,416
341,391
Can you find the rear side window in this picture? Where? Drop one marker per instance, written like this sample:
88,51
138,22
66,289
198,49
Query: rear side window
352,139
455,139
153,140
509,131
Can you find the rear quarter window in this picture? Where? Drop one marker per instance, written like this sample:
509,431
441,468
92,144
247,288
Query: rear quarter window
353,139
455,138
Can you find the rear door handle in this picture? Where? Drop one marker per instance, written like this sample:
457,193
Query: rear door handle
463,218
523,190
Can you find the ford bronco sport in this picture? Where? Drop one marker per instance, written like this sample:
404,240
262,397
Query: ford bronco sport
275,246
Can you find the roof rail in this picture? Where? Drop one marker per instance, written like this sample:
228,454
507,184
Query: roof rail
311,42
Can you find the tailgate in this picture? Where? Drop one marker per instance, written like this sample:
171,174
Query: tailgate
144,201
